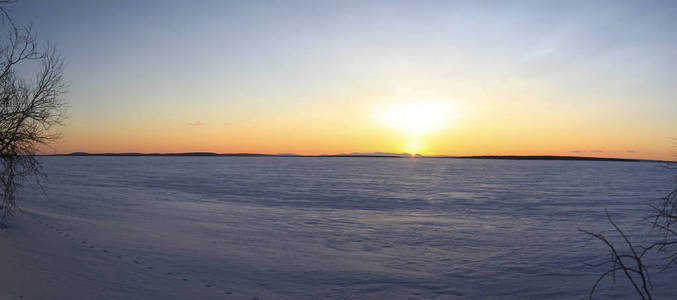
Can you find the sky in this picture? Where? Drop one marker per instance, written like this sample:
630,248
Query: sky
585,78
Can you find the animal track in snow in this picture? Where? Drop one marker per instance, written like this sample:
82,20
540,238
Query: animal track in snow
85,243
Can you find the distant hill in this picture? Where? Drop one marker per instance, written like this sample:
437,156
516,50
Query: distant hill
369,154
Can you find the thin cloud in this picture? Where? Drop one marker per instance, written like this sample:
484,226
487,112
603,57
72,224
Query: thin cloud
587,151
630,151
198,123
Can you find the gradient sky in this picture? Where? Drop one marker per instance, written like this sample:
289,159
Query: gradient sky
589,78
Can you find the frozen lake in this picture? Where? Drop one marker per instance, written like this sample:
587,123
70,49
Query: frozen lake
355,228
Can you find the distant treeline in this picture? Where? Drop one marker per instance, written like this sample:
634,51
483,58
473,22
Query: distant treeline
222,154
167,154
547,157
366,155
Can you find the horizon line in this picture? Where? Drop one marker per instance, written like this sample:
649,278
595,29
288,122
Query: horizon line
364,155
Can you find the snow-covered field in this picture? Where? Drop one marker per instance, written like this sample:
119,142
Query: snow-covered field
313,228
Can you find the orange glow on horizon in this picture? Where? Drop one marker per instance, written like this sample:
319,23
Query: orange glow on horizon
343,131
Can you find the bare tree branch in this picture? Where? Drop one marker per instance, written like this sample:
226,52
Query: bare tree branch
664,220
29,109
630,264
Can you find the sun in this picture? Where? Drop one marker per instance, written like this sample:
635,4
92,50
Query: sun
413,147
416,119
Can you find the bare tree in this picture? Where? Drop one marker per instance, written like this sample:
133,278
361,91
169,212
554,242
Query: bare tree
664,220
630,262
29,109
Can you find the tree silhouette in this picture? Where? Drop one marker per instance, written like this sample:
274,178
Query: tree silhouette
630,261
29,109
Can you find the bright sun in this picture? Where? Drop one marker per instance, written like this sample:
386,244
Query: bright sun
416,119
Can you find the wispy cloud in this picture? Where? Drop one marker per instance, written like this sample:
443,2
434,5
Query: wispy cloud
198,123
587,151
630,151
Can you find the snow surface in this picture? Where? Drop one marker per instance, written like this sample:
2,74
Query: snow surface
313,228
